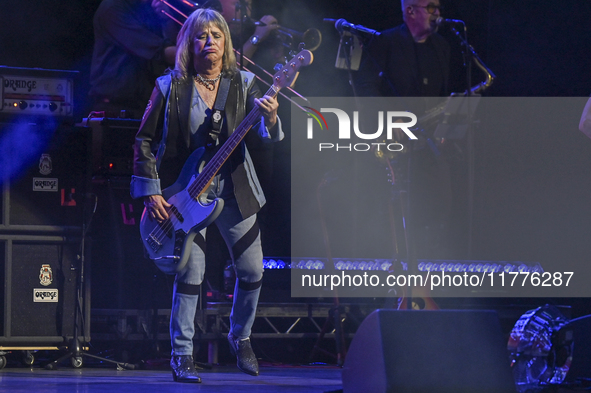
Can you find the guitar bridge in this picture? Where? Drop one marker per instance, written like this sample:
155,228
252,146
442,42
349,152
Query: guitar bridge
153,243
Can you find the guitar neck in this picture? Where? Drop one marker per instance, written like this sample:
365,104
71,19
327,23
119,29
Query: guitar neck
221,156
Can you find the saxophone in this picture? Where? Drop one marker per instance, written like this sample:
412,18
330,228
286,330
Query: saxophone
432,116
434,112
489,78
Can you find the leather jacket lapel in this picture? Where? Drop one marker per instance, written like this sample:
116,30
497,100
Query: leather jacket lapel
184,91
234,111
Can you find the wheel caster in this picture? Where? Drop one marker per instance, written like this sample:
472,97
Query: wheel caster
76,361
28,358
2,362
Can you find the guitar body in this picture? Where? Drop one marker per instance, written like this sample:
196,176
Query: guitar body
168,244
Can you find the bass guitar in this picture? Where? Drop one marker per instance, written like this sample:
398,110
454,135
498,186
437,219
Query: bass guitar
168,243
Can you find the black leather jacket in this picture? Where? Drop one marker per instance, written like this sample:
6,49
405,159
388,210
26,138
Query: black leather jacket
152,173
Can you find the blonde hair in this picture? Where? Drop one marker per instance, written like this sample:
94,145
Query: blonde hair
197,21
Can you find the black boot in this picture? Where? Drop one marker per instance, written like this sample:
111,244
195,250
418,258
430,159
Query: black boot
183,369
247,361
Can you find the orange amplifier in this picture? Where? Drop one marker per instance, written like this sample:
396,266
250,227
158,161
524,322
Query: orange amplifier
36,92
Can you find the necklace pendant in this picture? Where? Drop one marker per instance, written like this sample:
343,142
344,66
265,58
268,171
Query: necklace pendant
208,83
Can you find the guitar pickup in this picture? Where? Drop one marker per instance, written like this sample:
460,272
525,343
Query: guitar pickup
179,241
153,243
176,213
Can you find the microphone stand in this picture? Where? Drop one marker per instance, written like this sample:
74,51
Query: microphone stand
335,313
76,350
348,42
470,56
399,193
468,53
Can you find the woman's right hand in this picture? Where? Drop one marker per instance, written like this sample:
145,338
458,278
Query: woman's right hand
157,207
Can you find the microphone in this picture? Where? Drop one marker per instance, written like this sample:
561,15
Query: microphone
440,21
342,25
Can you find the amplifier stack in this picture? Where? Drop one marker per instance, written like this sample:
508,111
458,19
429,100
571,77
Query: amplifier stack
44,186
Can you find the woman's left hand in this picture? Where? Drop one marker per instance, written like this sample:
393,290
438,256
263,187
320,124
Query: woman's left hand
268,106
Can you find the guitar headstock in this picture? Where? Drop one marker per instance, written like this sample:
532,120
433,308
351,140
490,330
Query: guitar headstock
287,75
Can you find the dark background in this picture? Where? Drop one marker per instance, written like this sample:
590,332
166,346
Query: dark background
535,48
532,191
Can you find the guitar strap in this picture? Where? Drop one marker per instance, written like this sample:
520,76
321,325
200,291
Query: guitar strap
218,111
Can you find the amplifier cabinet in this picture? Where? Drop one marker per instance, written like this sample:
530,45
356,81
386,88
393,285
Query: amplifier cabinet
123,278
112,145
39,287
45,176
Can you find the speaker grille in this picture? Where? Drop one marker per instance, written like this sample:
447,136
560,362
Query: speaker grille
36,315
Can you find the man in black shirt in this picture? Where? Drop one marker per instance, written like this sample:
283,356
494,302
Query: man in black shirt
410,60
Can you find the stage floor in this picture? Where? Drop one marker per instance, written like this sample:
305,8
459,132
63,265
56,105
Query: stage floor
105,378
219,379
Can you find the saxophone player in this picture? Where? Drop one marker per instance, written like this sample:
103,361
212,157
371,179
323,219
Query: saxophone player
413,60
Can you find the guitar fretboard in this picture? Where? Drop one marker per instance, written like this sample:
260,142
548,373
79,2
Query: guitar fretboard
215,164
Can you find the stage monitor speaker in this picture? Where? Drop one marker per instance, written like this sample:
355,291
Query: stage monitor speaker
39,278
428,352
